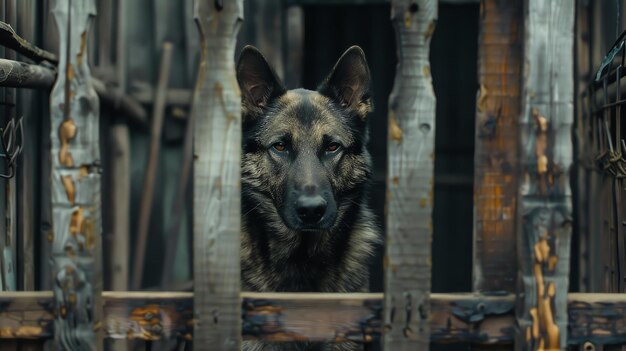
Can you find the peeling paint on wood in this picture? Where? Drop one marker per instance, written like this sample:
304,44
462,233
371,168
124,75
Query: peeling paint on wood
455,318
409,180
216,206
75,264
496,149
545,209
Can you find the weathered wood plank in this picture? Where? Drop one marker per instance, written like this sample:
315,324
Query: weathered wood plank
456,318
495,155
545,209
76,235
410,180
216,203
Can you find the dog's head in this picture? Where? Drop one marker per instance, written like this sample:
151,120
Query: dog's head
304,162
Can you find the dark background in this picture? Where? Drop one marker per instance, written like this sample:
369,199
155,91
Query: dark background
329,30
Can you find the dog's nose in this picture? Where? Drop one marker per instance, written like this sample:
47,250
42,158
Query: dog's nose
310,209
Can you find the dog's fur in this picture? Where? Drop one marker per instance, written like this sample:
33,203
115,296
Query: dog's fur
296,144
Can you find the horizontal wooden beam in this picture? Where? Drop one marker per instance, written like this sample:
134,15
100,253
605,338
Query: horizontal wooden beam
16,74
473,318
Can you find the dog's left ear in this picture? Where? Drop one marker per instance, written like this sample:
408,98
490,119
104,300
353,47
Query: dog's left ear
349,82
258,81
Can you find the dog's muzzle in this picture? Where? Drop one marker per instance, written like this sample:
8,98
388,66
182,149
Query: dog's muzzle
311,209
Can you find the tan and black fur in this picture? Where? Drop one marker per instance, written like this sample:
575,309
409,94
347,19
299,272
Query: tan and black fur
305,175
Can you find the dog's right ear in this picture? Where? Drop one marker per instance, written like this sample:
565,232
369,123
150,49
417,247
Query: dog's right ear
258,82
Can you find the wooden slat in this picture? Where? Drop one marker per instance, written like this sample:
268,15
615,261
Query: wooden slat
495,155
545,208
583,145
120,196
147,195
410,180
76,235
26,171
455,318
9,243
216,204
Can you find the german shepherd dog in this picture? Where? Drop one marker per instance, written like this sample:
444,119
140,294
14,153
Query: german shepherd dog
306,226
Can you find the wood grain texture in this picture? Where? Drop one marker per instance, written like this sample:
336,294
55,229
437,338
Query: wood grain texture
410,180
75,190
216,203
496,150
456,318
545,208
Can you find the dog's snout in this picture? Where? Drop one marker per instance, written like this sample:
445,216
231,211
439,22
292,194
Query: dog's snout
309,189
311,209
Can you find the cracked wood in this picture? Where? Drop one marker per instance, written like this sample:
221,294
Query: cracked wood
545,208
76,235
410,180
216,205
496,149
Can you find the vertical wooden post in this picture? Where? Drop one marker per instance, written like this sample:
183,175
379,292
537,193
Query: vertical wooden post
76,235
496,156
27,26
544,212
9,252
217,147
411,145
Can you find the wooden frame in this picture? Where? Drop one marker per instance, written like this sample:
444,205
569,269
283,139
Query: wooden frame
407,316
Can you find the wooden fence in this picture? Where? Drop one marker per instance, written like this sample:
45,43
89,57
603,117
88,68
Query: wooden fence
523,199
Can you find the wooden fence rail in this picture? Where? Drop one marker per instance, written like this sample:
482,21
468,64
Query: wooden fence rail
455,318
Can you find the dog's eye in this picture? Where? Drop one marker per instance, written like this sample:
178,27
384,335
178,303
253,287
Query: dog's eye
279,146
332,147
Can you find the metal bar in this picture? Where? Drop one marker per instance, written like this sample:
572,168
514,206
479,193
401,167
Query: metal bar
216,175
545,210
496,150
151,168
410,180
76,236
